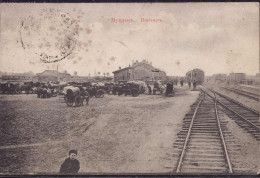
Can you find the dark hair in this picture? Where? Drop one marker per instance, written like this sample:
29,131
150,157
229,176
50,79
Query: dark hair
73,151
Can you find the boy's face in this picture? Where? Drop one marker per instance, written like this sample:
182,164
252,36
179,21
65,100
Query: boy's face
73,156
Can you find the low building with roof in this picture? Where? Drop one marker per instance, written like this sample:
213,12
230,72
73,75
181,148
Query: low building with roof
51,75
142,71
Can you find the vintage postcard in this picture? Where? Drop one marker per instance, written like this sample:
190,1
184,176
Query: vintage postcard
129,88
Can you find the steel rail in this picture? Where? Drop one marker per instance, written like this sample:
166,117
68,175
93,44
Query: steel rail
244,93
230,170
187,137
240,92
235,111
230,99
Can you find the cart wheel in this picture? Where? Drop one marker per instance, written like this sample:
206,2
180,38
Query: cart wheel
70,102
100,93
134,92
17,90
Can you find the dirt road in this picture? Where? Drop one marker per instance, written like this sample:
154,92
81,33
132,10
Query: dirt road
115,134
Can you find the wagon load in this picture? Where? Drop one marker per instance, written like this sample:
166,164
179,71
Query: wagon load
133,88
95,91
75,95
98,84
104,87
72,91
64,91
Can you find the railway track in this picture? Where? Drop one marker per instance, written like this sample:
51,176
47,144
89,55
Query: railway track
243,93
244,116
205,145
247,94
202,140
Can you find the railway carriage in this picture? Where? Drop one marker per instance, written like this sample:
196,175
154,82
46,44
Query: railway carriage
195,75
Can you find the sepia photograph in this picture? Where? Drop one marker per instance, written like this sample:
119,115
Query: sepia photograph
129,88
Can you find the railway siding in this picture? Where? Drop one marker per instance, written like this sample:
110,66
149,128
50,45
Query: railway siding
244,116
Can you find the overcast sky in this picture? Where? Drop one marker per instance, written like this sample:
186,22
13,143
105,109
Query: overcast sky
215,37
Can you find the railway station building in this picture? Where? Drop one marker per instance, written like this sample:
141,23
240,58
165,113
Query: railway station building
141,71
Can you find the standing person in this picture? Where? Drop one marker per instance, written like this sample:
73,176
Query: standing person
189,84
27,90
71,164
194,85
149,89
84,95
181,82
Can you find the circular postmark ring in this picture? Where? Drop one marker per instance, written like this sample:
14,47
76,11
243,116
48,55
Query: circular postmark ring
50,37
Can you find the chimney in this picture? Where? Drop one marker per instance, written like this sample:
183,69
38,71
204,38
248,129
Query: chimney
119,67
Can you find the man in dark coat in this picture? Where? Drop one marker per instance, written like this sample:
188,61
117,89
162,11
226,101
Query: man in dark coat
194,85
181,82
149,89
71,164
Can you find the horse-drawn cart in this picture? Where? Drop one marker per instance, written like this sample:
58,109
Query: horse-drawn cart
76,96
96,89
133,88
168,90
158,87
